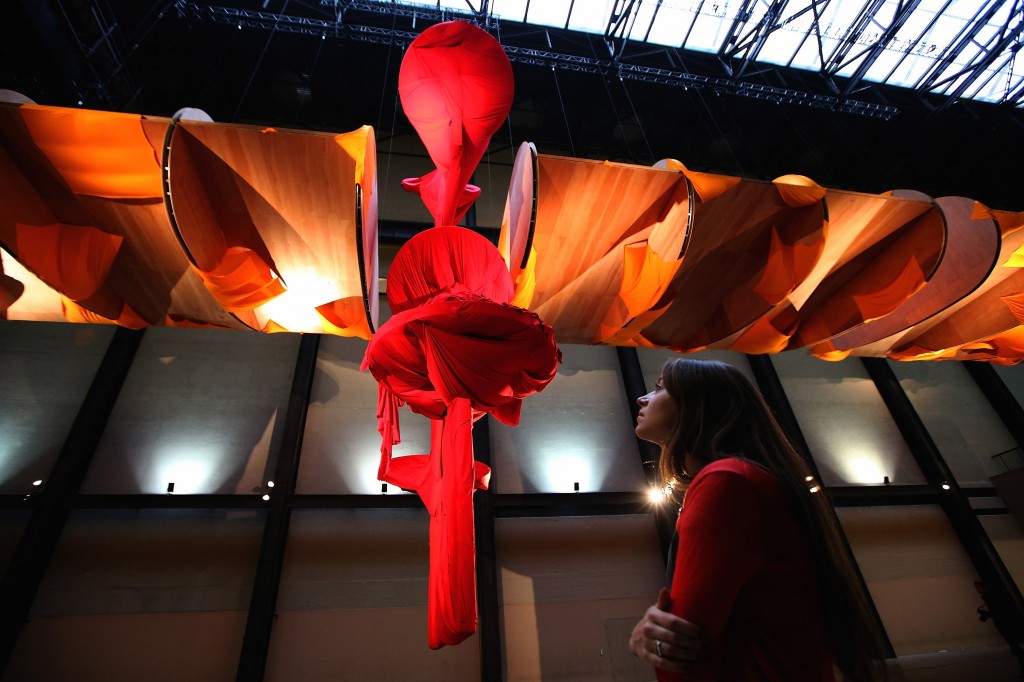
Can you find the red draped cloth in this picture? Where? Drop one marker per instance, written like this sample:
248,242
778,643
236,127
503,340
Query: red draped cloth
452,354
455,349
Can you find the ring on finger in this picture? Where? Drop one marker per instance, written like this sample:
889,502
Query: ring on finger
657,648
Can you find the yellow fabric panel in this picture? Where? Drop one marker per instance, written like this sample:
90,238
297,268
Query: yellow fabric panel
526,282
1016,259
98,153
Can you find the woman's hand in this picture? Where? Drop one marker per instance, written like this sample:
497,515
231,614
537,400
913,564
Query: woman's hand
680,640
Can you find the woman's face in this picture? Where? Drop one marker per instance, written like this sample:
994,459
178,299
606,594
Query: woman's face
658,415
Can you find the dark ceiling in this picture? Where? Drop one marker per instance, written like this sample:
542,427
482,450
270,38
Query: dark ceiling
154,58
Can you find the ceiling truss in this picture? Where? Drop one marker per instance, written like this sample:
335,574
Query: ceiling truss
342,24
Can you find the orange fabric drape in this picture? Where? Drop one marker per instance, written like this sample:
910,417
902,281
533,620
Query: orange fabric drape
798,190
73,259
76,313
241,280
914,352
826,351
645,277
706,185
97,153
1015,303
1006,348
885,300
345,317
769,334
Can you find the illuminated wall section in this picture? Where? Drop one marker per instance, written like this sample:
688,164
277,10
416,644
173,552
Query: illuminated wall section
201,409
577,430
849,431
46,370
341,446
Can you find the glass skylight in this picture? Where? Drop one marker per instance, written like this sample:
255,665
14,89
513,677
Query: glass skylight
965,48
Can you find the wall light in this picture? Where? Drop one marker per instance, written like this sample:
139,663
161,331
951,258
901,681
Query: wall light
266,497
945,486
37,483
270,484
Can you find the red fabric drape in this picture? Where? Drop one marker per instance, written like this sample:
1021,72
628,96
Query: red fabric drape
457,355
446,259
454,348
456,88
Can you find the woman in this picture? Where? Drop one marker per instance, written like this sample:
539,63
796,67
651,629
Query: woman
761,588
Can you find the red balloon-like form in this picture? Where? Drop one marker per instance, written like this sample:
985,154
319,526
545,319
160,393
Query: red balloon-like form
456,89
455,348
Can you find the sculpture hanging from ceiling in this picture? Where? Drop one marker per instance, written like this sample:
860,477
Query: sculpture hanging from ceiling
139,221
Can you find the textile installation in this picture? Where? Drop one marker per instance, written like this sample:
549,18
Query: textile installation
454,349
138,221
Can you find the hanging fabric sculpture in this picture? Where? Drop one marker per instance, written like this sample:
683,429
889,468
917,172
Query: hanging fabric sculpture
455,348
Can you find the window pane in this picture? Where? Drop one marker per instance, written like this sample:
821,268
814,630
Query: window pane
12,523
578,429
201,409
960,420
1013,377
572,590
353,598
919,577
341,446
1006,534
47,369
850,433
133,594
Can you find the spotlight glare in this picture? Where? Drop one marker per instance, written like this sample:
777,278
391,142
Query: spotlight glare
37,483
266,496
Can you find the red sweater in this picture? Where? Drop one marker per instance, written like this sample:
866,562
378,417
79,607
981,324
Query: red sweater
743,573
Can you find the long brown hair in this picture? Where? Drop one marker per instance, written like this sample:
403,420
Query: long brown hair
721,414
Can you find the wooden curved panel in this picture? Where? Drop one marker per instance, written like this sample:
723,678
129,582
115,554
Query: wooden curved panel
972,247
53,175
586,209
289,198
979,315
721,286
892,246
